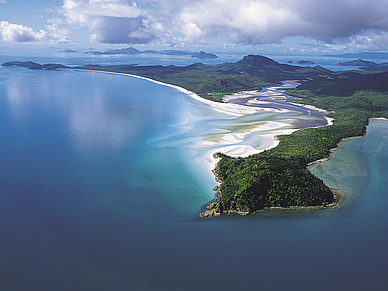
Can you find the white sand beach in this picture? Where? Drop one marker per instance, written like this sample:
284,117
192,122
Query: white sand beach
233,143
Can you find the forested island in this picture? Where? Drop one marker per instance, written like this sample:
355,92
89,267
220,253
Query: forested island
278,177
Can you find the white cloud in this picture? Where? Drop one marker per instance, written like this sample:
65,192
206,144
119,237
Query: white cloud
110,21
120,30
82,11
54,33
371,40
57,33
357,23
18,33
264,21
271,21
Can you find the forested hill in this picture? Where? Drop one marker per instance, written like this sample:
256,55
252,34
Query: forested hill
270,70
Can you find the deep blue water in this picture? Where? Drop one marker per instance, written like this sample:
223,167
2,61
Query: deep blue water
101,187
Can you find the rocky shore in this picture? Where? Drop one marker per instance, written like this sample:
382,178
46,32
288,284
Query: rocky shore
216,208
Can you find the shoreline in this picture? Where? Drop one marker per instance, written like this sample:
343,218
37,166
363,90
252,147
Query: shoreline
338,145
213,210
233,110
241,110
226,108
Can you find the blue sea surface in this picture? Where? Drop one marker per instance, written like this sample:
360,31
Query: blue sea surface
103,176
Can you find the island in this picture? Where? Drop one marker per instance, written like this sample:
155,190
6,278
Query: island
361,55
133,51
357,63
303,62
68,51
277,178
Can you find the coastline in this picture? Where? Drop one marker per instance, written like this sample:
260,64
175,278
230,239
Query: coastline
227,144
226,108
338,145
213,209
237,110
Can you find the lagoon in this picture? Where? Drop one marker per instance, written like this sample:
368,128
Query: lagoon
103,177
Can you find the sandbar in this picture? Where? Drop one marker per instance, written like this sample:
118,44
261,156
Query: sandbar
232,144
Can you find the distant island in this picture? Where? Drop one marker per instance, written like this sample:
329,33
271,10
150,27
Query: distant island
302,62
357,63
68,51
366,65
279,177
362,55
133,51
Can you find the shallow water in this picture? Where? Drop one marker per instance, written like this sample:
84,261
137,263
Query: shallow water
103,177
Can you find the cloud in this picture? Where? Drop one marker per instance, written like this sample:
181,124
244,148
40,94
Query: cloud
19,33
271,21
371,40
264,21
110,21
57,32
354,22
120,30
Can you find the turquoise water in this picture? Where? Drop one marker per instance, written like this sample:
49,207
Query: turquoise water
103,176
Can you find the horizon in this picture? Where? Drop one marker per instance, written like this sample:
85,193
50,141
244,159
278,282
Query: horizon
260,27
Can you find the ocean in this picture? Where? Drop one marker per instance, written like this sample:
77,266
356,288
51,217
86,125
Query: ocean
103,177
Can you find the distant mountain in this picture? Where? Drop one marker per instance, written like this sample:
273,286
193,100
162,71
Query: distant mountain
362,55
133,51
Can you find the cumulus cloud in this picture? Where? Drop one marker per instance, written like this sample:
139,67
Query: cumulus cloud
19,33
372,40
362,23
269,21
57,32
120,30
110,21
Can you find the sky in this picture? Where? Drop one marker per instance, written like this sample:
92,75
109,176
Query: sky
285,25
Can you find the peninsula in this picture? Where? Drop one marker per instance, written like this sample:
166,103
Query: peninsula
277,177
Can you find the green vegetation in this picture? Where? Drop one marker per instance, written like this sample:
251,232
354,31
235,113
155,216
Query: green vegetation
265,180
209,82
19,64
277,177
